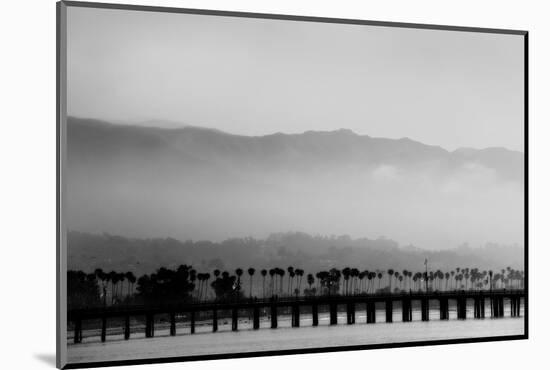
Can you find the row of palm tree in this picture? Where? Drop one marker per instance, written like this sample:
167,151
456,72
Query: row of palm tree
113,279
348,281
355,281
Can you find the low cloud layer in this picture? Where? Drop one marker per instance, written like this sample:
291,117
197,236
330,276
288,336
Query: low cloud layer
158,188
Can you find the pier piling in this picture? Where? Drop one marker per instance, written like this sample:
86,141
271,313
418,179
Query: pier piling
127,327
333,307
477,308
234,319
497,306
172,323
497,300
461,308
389,310
315,314
425,309
444,309
214,320
350,312
518,306
256,318
149,325
295,309
371,312
273,316
406,305
103,328
78,331
192,323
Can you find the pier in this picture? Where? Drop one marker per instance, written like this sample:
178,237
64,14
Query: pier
293,305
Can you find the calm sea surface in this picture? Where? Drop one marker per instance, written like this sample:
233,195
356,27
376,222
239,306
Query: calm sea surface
285,337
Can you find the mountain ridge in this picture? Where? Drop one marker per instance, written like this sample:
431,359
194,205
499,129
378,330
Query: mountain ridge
311,148
163,125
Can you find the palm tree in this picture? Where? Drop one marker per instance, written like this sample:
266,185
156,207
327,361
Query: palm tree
206,277
103,277
334,280
100,275
452,276
322,280
291,280
346,272
271,274
200,278
473,279
121,278
216,275
251,272
131,280
116,280
406,275
113,278
354,274
299,274
318,277
370,280
310,280
239,273
396,274
290,270
460,278
380,275
390,276
361,276
281,274
193,278
263,273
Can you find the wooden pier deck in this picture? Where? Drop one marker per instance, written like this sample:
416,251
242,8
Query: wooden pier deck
462,299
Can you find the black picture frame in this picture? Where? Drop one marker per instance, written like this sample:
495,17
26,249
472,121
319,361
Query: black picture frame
61,312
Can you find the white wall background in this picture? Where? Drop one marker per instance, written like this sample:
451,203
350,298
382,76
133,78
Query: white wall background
27,85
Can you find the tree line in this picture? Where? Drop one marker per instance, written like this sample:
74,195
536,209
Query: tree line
186,284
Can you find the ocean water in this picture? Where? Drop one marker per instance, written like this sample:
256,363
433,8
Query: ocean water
285,337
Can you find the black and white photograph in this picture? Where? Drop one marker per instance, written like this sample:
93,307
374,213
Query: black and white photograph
239,184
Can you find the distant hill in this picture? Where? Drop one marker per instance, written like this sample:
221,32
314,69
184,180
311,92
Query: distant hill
311,253
199,183
92,140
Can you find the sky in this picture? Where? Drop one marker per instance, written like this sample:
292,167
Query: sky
257,76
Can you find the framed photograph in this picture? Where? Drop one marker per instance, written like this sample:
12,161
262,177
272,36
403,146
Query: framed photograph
236,184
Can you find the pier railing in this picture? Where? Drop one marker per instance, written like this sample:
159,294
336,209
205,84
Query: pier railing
495,299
